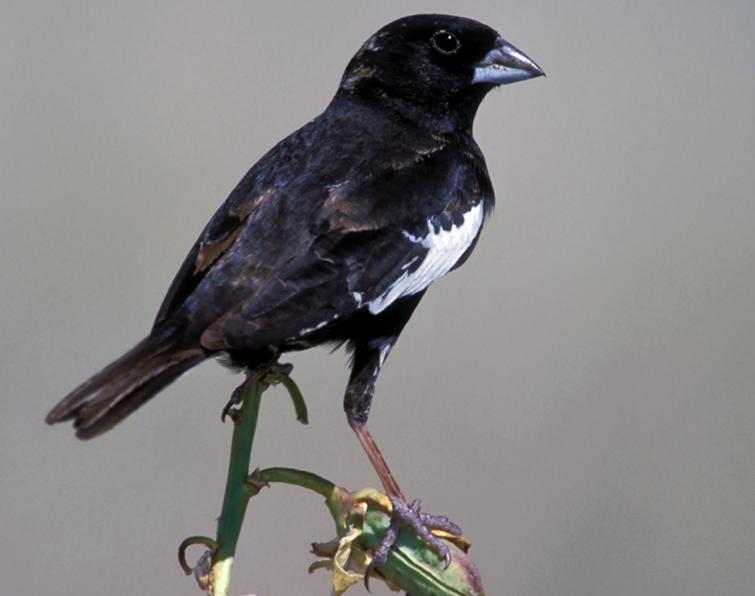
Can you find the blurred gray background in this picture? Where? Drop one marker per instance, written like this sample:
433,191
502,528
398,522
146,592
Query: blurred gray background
579,397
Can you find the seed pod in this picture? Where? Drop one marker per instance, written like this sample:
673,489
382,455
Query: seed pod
415,568
412,565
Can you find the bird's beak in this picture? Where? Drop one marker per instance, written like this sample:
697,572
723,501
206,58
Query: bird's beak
505,64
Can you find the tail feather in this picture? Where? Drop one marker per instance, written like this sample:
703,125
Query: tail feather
120,388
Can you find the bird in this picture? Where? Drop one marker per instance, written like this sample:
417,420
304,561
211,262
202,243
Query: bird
336,233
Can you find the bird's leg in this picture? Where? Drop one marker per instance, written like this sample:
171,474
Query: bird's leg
378,461
255,376
368,359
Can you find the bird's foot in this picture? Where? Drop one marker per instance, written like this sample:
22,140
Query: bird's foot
409,515
231,409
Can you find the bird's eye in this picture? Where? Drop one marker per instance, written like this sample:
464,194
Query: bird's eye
446,43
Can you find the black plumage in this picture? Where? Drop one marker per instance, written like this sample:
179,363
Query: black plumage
335,234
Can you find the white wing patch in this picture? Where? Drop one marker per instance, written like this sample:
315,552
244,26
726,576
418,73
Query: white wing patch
444,250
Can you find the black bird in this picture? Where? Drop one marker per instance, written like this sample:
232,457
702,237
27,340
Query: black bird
337,232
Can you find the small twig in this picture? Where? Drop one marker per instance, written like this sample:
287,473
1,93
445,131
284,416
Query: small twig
300,407
313,482
191,541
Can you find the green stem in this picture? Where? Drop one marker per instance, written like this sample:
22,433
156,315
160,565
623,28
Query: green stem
240,487
237,491
296,477
300,407
331,493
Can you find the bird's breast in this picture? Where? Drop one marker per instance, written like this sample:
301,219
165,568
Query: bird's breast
443,247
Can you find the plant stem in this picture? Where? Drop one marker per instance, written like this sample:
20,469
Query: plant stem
240,486
325,488
295,477
237,491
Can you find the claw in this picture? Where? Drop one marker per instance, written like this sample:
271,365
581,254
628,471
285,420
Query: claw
260,375
229,411
380,554
237,397
410,515
440,522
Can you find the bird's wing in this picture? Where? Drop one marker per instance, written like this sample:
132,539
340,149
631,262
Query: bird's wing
255,203
363,253
217,237
327,282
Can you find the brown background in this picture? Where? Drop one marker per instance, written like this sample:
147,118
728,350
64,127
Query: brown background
579,397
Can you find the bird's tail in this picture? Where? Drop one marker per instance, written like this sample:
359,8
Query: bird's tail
120,388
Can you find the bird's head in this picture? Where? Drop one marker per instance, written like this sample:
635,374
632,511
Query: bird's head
435,65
